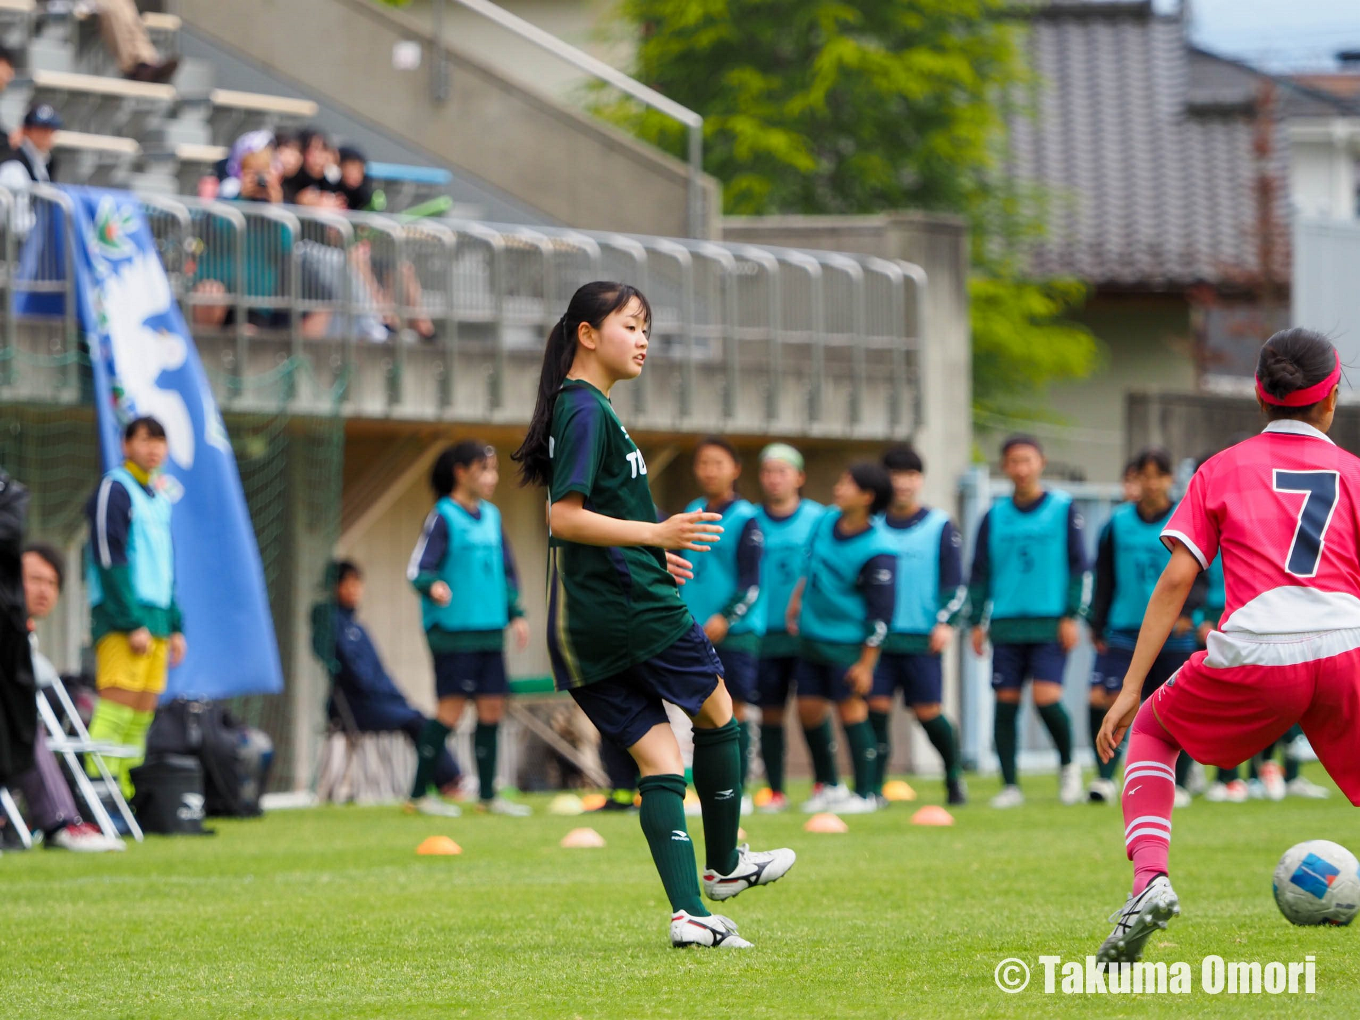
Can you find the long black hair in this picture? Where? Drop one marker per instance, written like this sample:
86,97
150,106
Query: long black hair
592,303
1294,359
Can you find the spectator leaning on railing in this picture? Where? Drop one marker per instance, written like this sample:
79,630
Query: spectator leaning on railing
47,798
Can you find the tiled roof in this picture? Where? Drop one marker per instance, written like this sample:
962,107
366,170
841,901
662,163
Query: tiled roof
1144,147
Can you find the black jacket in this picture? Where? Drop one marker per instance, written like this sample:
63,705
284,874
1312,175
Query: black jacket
18,705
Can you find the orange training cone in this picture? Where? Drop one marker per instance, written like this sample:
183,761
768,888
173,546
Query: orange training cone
825,822
583,838
898,789
932,814
438,846
592,802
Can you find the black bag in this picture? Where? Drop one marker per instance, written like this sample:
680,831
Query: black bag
169,799
235,759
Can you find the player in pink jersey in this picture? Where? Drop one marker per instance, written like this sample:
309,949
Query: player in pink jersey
1283,510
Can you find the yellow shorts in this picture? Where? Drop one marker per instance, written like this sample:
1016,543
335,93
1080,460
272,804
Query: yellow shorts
116,665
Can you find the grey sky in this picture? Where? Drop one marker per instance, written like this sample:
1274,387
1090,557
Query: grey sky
1277,34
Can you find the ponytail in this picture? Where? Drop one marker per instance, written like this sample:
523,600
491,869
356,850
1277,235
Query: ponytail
592,303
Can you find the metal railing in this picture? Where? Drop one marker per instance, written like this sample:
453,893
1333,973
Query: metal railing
387,312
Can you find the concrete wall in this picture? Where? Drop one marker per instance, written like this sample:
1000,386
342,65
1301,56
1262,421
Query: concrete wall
575,169
585,24
1147,349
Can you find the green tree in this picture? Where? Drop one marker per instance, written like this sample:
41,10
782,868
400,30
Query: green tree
830,107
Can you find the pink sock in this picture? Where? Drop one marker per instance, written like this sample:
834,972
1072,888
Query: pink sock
1149,792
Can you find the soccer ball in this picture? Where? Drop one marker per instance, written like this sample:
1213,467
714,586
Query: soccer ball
1318,882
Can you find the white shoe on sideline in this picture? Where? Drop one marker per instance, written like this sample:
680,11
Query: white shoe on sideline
436,807
714,931
1069,783
824,797
508,808
855,805
1102,791
1301,786
1272,778
83,838
1009,797
754,867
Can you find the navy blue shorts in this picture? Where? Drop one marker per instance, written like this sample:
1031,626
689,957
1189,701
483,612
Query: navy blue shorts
1112,664
919,676
774,680
822,680
470,674
739,673
1012,665
625,706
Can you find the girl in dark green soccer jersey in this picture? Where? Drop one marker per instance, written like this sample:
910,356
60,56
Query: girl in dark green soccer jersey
619,636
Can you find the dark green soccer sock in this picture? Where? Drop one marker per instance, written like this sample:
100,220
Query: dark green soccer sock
772,751
717,781
484,747
428,745
663,823
879,721
941,735
1003,732
1059,727
1229,775
743,750
823,757
1291,763
1106,769
864,755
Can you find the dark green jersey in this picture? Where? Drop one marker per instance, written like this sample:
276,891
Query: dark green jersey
608,608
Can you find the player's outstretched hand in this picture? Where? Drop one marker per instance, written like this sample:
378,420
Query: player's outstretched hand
680,568
1116,723
693,531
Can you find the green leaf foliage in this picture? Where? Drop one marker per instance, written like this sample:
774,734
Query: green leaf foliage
830,107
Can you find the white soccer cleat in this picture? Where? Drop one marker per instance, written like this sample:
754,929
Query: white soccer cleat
1301,786
824,798
1009,797
436,807
714,931
776,805
754,867
1140,916
1069,783
1234,792
855,805
1272,779
1182,798
508,808
1197,782
748,806
1102,791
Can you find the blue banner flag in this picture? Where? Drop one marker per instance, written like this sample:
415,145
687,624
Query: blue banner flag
145,363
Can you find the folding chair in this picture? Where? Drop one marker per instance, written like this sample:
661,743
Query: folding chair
11,811
78,742
373,768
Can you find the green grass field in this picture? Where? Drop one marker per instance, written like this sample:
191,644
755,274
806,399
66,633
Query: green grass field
330,914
